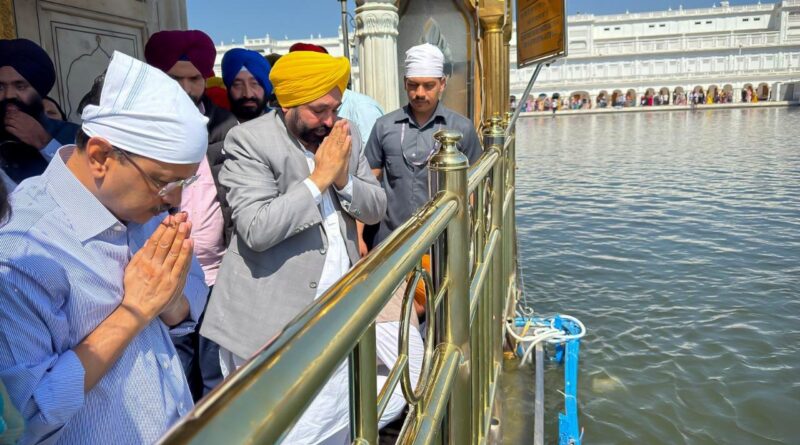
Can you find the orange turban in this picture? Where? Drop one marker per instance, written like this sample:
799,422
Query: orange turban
301,77
420,294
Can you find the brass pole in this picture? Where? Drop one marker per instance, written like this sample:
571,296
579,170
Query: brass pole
346,39
477,327
450,167
509,220
494,137
511,118
363,389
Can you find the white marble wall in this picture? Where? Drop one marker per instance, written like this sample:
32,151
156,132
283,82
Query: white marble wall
81,35
747,44
736,45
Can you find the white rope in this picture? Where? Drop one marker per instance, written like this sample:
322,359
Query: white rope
543,332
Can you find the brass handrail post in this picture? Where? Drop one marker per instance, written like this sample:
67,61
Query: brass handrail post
494,137
477,324
450,167
363,389
509,222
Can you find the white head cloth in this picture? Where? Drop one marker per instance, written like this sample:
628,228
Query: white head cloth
144,111
424,60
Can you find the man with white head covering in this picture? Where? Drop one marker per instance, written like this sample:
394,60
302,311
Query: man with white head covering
401,143
94,278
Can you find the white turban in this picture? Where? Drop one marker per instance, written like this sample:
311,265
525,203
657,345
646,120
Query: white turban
144,111
424,60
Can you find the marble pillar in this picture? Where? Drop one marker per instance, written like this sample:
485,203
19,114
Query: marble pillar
376,36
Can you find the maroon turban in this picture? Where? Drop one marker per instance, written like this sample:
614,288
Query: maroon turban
300,46
166,48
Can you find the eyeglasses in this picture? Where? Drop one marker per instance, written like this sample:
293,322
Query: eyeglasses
163,188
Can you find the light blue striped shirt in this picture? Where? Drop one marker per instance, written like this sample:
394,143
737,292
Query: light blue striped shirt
361,110
62,260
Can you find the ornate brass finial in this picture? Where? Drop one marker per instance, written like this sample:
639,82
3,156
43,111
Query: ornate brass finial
448,139
448,156
507,118
495,125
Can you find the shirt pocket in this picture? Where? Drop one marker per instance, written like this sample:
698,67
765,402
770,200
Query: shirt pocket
396,168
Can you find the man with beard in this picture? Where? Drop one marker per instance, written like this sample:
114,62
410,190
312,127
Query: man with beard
362,111
93,280
297,182
28,138
401,143
188,57
246,76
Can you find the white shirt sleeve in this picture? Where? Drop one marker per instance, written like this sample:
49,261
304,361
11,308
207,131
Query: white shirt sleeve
314,190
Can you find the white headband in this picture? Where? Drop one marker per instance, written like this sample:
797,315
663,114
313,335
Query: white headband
144,111
424,60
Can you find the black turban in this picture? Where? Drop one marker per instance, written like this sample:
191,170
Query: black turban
31,62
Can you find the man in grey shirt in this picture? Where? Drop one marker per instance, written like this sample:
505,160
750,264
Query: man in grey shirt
401,143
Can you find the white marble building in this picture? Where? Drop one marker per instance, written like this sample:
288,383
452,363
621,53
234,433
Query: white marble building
681,50
267,45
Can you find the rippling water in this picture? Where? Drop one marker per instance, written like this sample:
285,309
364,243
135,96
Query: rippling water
675,237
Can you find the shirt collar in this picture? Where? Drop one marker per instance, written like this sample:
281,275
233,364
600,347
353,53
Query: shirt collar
438,114
89,217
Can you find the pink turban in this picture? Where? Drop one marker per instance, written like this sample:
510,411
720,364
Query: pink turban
166,48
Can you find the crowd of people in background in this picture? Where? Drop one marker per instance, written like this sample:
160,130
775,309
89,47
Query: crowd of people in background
651,98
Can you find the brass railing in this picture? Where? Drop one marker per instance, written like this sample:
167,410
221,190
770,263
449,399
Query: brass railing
469,227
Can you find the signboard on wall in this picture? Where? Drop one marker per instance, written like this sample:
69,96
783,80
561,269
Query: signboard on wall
541,30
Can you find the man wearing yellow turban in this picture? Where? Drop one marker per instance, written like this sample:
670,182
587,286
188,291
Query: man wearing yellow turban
296,189
304,76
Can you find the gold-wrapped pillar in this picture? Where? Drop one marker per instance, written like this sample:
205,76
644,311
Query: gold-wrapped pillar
8,28
492,18
506,79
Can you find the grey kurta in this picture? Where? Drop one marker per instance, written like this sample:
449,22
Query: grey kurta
401,148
